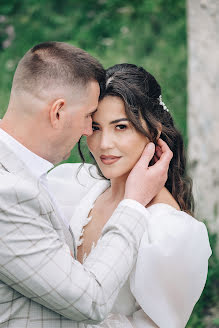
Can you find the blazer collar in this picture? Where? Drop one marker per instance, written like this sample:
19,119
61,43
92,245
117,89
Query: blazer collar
37,166
10,160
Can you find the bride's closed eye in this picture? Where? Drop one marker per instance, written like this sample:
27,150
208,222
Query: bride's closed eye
95,128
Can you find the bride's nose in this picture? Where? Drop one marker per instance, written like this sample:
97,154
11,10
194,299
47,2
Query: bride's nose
107,140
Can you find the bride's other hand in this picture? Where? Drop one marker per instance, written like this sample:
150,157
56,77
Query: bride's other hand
145,182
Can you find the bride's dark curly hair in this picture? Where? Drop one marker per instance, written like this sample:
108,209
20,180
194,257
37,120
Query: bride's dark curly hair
140,92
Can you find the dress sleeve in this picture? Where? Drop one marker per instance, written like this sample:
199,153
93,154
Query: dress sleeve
171,267
69,183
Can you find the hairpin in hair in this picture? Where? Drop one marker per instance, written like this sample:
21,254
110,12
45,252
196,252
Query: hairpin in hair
109,80
162,104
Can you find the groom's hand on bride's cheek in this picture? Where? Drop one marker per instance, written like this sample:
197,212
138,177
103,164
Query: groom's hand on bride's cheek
144,181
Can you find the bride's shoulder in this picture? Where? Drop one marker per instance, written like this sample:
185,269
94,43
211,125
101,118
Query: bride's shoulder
70,169
77,173
164,197
70,182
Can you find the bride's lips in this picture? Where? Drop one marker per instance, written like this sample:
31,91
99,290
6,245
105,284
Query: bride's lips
110,159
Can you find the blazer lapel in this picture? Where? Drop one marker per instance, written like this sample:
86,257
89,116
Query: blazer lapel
57,220
12,164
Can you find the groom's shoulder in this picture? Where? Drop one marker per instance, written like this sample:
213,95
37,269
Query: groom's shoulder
8,180
15,189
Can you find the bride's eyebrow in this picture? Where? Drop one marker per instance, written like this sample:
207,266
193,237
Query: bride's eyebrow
119,120
113,122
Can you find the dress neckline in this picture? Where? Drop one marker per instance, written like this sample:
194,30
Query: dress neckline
80,217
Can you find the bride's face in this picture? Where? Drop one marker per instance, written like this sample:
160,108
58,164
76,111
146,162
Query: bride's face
115,144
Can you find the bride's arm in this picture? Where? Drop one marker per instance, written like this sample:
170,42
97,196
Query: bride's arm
171,267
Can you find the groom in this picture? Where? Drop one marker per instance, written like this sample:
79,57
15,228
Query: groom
54,93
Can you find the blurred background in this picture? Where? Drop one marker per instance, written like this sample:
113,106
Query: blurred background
144,32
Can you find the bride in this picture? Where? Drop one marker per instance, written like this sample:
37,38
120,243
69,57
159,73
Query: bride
172,262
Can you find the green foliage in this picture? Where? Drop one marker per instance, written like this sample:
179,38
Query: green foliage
145,32
216,322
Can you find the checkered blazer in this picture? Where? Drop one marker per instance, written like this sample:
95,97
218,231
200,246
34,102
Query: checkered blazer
41,285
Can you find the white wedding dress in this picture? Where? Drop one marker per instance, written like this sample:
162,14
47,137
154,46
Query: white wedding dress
171,267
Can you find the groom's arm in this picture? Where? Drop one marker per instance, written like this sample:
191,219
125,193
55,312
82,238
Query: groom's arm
37,264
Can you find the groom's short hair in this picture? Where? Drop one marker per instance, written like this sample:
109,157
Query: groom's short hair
56,63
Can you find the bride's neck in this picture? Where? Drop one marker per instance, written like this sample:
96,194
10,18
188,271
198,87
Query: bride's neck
117,189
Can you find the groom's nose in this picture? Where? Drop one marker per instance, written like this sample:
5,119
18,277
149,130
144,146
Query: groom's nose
88,129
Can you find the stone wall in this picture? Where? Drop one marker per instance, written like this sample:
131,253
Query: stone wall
203,106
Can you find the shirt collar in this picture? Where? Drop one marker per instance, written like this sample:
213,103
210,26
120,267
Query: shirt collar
36,164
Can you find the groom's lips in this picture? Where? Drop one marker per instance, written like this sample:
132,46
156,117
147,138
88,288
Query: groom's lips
109,159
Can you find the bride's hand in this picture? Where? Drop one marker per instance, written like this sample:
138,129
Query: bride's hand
145,182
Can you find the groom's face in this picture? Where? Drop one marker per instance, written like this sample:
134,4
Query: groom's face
78,120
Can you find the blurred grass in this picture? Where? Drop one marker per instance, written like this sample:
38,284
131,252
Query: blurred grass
151,33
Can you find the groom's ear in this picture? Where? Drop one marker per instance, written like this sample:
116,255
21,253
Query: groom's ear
55,112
